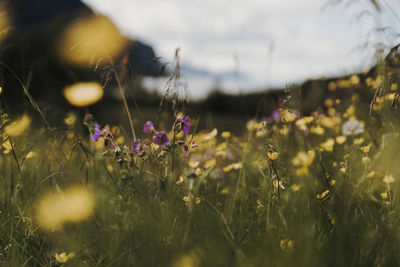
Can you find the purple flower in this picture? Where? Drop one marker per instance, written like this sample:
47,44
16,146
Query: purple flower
186,129
148,127
161,139
135,146
185,124
185,119
97,132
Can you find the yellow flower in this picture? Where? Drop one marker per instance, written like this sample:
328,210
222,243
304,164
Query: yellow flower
194,164
354,80
227,168
7,146
384,195
328,102
288,115
224,191
64,257
340,139
210,163
295,187
318,130
331,86
226,134
365,149
323,194
388,179
328,145
18,127
83,94
72,205
304,159
272,155
358,141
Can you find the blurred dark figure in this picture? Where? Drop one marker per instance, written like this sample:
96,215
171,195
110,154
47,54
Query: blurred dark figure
46,45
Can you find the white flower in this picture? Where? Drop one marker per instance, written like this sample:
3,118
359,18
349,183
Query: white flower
352,127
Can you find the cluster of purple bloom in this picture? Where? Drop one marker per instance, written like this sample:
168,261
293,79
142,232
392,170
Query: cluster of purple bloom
97,132
161,138
185,124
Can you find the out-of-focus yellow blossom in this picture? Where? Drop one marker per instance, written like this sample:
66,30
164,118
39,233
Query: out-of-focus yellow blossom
393,87
272,155
329,122
340,139
331,86
332,182
286,244
198,172
295,187
187,261
328,102
358,141
17,127
233,166
90,41
384,195
154,147
99,144
83,94
221,146
365,149
390,97
30,155
226,134
279,184
343,84
194,164
72,205
197,200
331,112
323,194
318,130
343,170
70,119
64,257
180,180
221,153
210,163
288,115
302,171
224,191
7,146
354,80
349,112
388,179
328,145
253,125
365,160
284,130
304,159
261,132
371,174
120,140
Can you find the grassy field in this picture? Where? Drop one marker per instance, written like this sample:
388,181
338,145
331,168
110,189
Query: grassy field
317,189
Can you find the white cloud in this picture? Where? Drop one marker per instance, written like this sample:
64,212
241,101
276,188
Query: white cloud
308,42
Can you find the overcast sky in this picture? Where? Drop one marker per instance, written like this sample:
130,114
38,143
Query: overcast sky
272,42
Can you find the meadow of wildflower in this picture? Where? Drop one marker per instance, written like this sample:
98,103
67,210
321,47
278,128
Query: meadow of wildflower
312,189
